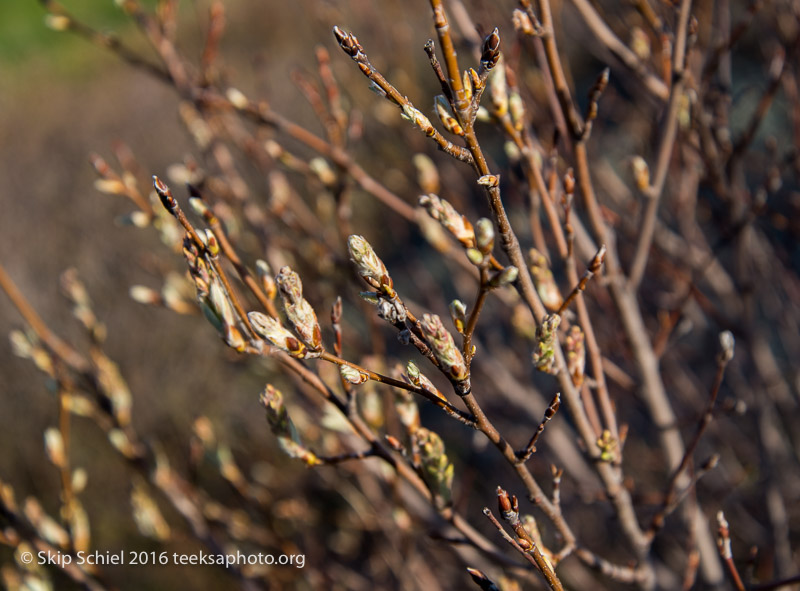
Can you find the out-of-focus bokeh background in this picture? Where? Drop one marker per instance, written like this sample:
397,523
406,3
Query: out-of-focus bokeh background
62,99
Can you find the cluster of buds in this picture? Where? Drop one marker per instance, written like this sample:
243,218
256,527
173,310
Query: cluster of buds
444,349
452,221
211,293
609,446
544,357
282,427
436,468
298,311
545,283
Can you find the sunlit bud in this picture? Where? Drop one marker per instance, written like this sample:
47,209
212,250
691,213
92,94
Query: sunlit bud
467,81
57,22
282,427
447,118
407,410
504,277
522,22
220,303
427,174
298,311
420,379
370,267
727,343
54,445
489,180
484,235
416,117
437,470
608,446
475,256
267,281
211,243
491,50
544,355
443,347
498,89
271,330
641,173
323,170
455,223
458,312
352,375
545,283
392,311
640,44
144,295
237,98
576,354
516,107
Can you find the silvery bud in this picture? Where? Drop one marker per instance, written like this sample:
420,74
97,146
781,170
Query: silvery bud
455,223
370,267
484,235
443,347
298,311
352,375
458,312
270,329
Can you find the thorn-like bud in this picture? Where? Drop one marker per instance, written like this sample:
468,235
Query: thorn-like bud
271,330
370,267
490,53
484,235
443,347
458,313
